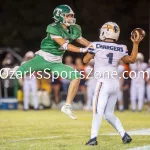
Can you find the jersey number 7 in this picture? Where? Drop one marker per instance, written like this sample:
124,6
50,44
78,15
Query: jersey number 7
110,57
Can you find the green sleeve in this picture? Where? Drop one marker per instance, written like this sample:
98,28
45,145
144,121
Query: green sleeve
76,31
52,29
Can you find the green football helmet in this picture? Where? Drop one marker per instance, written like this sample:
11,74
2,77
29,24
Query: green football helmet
60,13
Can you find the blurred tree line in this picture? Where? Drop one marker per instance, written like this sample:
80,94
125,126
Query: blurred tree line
23,22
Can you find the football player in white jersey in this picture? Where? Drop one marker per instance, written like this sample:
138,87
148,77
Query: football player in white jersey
120,70
91,82
106,54
29,85
137,89
148,84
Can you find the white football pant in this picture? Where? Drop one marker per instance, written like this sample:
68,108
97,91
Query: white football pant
104,101
148,92
91,84
137,92
30,87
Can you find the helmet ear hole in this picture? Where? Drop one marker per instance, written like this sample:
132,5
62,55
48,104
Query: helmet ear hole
102,33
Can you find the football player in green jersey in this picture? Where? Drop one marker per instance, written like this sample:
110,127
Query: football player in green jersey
60,35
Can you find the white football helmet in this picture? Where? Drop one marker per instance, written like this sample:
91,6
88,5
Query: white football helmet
140,56
29,54
109,30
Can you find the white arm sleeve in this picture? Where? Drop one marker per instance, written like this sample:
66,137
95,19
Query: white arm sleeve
79,37
65,46
54,36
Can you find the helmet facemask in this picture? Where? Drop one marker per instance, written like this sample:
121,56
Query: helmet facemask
68,19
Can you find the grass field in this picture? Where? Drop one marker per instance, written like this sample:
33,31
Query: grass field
52,130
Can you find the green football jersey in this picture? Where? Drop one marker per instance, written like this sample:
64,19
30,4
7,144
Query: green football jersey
50,46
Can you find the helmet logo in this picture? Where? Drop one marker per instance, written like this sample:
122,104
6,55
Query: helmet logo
116,29
58,11
107,27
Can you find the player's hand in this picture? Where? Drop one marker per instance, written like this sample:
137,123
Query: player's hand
136,40
137,35
84,50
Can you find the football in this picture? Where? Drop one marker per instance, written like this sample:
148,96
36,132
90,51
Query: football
137,32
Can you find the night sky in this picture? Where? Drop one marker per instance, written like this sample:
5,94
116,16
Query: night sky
23,22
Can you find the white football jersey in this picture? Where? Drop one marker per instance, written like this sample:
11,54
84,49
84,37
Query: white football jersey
148,71
107,55
138,68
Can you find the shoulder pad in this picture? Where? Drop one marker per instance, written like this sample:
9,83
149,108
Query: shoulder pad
76,31
76,26
53,29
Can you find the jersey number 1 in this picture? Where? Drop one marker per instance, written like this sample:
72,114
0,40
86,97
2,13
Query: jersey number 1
110,57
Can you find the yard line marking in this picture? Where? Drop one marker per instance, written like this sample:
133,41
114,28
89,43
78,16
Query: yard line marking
28,139
141,148
133,132
43,138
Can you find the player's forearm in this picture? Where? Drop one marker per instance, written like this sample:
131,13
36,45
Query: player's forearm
67,46
134,52
83,41
73,48
87,58
132,57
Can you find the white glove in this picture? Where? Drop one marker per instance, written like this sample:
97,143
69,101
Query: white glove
83,50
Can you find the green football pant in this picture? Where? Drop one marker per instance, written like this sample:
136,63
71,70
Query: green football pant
38,64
